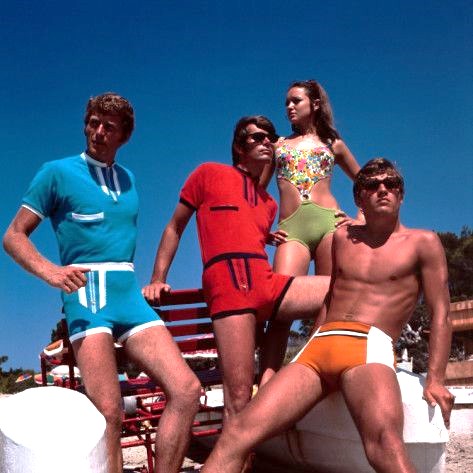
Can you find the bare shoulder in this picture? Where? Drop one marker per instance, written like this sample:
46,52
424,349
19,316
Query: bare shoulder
345,159
349,233
341,233
293,137
422,236
425,241
339,147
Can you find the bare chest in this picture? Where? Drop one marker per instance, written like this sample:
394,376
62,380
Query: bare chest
393,261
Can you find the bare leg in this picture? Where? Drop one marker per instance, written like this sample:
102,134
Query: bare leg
323,256
95,355
157,353
291,258
268,414
235,338
373,397
323,267
304,298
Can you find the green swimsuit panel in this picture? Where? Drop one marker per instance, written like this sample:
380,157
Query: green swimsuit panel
309,224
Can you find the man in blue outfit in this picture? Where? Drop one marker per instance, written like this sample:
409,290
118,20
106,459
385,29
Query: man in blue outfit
93,205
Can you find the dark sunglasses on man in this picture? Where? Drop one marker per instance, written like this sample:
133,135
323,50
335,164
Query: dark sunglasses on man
259,137
389,182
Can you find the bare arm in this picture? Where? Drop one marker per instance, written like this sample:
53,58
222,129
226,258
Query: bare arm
435,286
345,159
166,252
267,174
18,245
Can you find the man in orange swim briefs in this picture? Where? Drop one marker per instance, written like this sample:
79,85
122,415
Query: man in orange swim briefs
379,270
234,218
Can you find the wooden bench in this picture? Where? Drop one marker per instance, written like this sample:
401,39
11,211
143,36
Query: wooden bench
186,317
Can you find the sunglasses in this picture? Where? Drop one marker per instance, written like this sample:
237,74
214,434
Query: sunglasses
389,182
259,137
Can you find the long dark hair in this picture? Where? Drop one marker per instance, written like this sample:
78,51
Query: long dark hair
323,117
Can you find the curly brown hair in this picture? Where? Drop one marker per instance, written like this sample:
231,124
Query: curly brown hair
111,103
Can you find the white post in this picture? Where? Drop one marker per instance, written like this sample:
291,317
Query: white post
51,430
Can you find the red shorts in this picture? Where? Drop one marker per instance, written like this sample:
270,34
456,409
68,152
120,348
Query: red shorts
240,283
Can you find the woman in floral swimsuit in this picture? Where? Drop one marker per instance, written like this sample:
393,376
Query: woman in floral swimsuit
309,213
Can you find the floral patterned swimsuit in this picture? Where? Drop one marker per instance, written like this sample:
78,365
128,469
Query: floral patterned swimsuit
303,166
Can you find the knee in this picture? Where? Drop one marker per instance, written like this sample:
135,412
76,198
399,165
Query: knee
383,447
187,393
237,396
113,415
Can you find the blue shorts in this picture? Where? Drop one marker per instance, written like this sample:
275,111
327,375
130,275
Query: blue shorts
111,302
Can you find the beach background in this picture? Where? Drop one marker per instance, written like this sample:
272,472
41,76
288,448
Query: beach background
459,454
398,75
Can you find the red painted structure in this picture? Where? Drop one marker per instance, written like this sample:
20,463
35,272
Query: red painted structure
186,317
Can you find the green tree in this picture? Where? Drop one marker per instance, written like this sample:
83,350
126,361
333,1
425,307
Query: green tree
8,384
459,252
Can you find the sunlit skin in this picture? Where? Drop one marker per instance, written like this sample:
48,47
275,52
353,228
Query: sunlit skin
104,135
300,109
379,270
96,352
292,257
235,335
256,155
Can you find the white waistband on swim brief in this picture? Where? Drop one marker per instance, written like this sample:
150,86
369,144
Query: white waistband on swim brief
109,266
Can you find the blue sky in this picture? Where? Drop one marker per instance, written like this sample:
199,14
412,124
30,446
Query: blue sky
399,76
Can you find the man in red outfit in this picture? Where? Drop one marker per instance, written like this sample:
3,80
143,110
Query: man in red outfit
234,218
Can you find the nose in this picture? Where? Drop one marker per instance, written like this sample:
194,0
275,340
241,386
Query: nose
100,130
382,188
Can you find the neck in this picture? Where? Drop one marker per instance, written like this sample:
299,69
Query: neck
380,227
108,160
305,129
253,170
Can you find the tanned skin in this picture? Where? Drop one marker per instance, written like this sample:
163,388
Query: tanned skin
96,353
379,270
235,336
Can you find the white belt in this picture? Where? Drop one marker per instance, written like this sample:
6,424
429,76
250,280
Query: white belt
124,266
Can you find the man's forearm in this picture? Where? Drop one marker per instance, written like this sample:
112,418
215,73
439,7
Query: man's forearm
23,251
439,348
165,255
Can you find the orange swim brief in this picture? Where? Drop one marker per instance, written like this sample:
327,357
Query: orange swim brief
339,346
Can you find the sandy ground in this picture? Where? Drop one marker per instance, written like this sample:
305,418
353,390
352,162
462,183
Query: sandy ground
459,455
460,446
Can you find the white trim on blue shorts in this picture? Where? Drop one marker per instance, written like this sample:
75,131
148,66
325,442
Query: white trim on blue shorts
139,328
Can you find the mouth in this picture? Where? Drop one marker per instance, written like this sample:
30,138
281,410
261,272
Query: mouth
383,201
